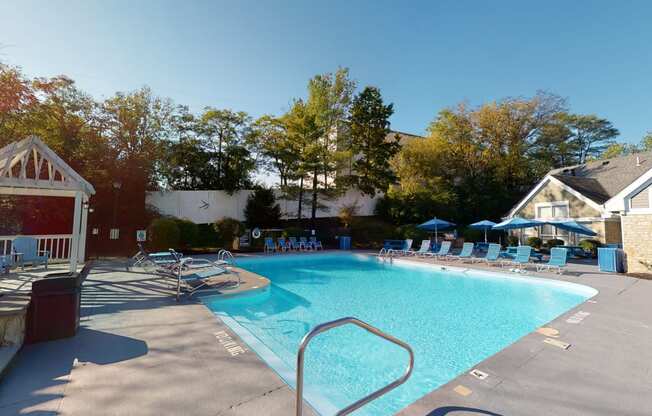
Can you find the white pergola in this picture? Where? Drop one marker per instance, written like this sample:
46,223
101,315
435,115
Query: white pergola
29,167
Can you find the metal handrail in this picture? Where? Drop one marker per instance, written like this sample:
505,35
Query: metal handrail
355,321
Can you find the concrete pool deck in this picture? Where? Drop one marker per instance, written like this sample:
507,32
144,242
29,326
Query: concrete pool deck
139,352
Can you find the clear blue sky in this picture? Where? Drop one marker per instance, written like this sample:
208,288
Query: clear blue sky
257,56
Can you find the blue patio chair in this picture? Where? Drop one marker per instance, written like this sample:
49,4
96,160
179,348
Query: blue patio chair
269,247
4,264
307,245
444,249
424,250
406,249
282,244
492,256
316,244
521,259
558,257
467,251
25,250
293,243
201,280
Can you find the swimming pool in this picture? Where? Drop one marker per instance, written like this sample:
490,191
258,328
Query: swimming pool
452,319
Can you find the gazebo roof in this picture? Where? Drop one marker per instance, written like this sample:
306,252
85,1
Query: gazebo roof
31,165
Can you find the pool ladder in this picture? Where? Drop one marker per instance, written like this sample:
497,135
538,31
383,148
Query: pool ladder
227,256
376,394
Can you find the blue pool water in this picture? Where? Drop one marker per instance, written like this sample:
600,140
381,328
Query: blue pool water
451,319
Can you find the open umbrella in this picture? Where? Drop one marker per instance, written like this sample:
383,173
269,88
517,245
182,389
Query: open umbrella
436,224
572,226
483,225
517,223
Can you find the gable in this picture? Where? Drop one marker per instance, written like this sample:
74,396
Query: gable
553,192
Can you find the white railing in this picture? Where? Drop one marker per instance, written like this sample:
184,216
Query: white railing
58,245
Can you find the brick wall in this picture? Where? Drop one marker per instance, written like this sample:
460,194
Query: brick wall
637,235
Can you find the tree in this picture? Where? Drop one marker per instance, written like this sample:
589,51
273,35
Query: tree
223,131
261,209
369,128
305,133
278,151
589,134
646,142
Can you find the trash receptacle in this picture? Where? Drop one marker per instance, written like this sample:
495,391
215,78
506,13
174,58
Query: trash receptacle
345,243
54,308
610,260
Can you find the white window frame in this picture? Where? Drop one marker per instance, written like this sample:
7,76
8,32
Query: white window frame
556,232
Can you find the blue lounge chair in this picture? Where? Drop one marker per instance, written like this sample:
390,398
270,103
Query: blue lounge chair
467,251
521,259
293,243
316,244
558,257
25,250
195,281
4,264
424,250
269,247
307,245
406,249
282,244
444,249
492,256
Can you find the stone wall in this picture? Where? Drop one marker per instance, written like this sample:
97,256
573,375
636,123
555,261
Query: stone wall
637,234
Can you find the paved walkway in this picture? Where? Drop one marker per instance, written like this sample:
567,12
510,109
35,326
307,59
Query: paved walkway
140,353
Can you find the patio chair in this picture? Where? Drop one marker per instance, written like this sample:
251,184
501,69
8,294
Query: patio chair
316,244
492,256
307,245
558,257
282,244
195,281
4,264
521,259
293,243
25,250
269,247
407,248
444,249
467,251
424,250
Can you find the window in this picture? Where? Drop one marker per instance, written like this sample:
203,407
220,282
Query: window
552,210
114,234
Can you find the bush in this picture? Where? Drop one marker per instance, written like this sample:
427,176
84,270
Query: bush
367,232
411,231
262,210
228,229
163,234
207,236
590,246
293,232
512,240
554,243
471,234
534,242
188,233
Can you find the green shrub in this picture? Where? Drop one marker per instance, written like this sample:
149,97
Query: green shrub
590,246
262,210
534,242
512,240
188,232
293,232
412,231
554,243
367,232
228,229
163,234
207,236
471,234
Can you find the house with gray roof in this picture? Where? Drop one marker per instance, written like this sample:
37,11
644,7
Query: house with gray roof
598,194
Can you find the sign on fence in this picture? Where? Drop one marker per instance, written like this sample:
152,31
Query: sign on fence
141,236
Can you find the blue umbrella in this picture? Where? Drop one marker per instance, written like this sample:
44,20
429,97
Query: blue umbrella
436,224
517,223
572,226
483,225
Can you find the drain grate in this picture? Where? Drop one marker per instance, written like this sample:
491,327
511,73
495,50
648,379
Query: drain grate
480,375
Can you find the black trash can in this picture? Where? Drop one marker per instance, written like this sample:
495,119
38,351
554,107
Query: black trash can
54,308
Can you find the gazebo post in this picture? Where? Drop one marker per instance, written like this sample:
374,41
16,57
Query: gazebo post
82,233
74,250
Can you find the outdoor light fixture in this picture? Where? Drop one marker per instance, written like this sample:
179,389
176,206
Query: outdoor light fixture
117,185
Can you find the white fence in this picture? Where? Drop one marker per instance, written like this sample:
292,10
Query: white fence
58,245
202,207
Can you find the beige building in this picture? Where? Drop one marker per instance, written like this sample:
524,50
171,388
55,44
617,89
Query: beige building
613,197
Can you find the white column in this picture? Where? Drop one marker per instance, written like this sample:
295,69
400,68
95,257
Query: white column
82,232
76,219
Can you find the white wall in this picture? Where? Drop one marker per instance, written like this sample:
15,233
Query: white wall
207,206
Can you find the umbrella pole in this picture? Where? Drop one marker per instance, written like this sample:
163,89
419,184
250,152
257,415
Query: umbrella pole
485,236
